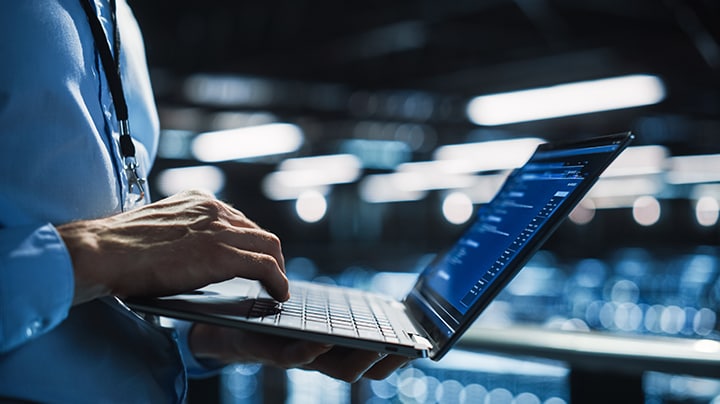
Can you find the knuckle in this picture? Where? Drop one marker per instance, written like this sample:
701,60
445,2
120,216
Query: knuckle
197,193
212,207
269,263
274,241
213,210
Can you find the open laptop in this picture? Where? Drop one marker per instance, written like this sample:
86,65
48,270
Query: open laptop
448,295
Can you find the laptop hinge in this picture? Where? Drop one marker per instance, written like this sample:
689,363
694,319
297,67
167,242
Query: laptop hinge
421,341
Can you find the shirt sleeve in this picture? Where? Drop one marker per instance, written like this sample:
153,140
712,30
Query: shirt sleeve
195,368
36,283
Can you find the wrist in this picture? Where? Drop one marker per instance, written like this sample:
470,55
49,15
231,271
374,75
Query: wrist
81,243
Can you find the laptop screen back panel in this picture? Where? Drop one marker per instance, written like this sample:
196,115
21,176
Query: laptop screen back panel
452,291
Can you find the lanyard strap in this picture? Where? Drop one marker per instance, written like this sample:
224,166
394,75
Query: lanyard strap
111,65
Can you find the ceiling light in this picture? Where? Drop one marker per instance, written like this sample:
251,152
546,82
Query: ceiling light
488,156
276,189
485,187
249,142
457,208
584,212
646,210
449,167
297,175
707,211
395,187
694,169
638,160
174,180
626,186
311,206
224,90
566,99
382,154
342,167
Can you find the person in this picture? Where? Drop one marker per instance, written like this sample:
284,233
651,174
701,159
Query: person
78,231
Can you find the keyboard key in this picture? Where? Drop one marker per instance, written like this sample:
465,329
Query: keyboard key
291,322
344,331
370,335
340,311
314,326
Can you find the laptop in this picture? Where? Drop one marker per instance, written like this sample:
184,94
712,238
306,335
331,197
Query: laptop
449,294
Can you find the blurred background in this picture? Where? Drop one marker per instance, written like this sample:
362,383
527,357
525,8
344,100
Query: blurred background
340,126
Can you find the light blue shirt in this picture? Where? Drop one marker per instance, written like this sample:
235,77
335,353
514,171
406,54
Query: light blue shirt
59,162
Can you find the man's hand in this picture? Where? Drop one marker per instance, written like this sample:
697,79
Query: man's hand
177,244
186,242
227,345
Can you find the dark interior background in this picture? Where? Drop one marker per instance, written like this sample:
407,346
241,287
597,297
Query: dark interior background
332,64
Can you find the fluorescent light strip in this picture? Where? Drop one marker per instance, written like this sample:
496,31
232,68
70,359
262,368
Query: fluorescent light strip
626,186
694,169
638,160
249,142
346,163
566,99
309,178
174,180
297,175
395,187
275,189
228,90
487,156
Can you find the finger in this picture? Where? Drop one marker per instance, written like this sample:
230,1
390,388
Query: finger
302,353
238,219
256,254
385,367
280,351
256,240
220,217
229,345
262,268
262,241
345,364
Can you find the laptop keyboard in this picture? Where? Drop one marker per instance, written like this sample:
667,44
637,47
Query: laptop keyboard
328,310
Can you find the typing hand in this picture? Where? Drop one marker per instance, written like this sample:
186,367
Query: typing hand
171,246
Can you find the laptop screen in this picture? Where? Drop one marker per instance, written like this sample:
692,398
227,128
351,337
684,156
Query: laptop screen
534,199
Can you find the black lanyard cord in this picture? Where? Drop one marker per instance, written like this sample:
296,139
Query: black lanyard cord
111,65
112,72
